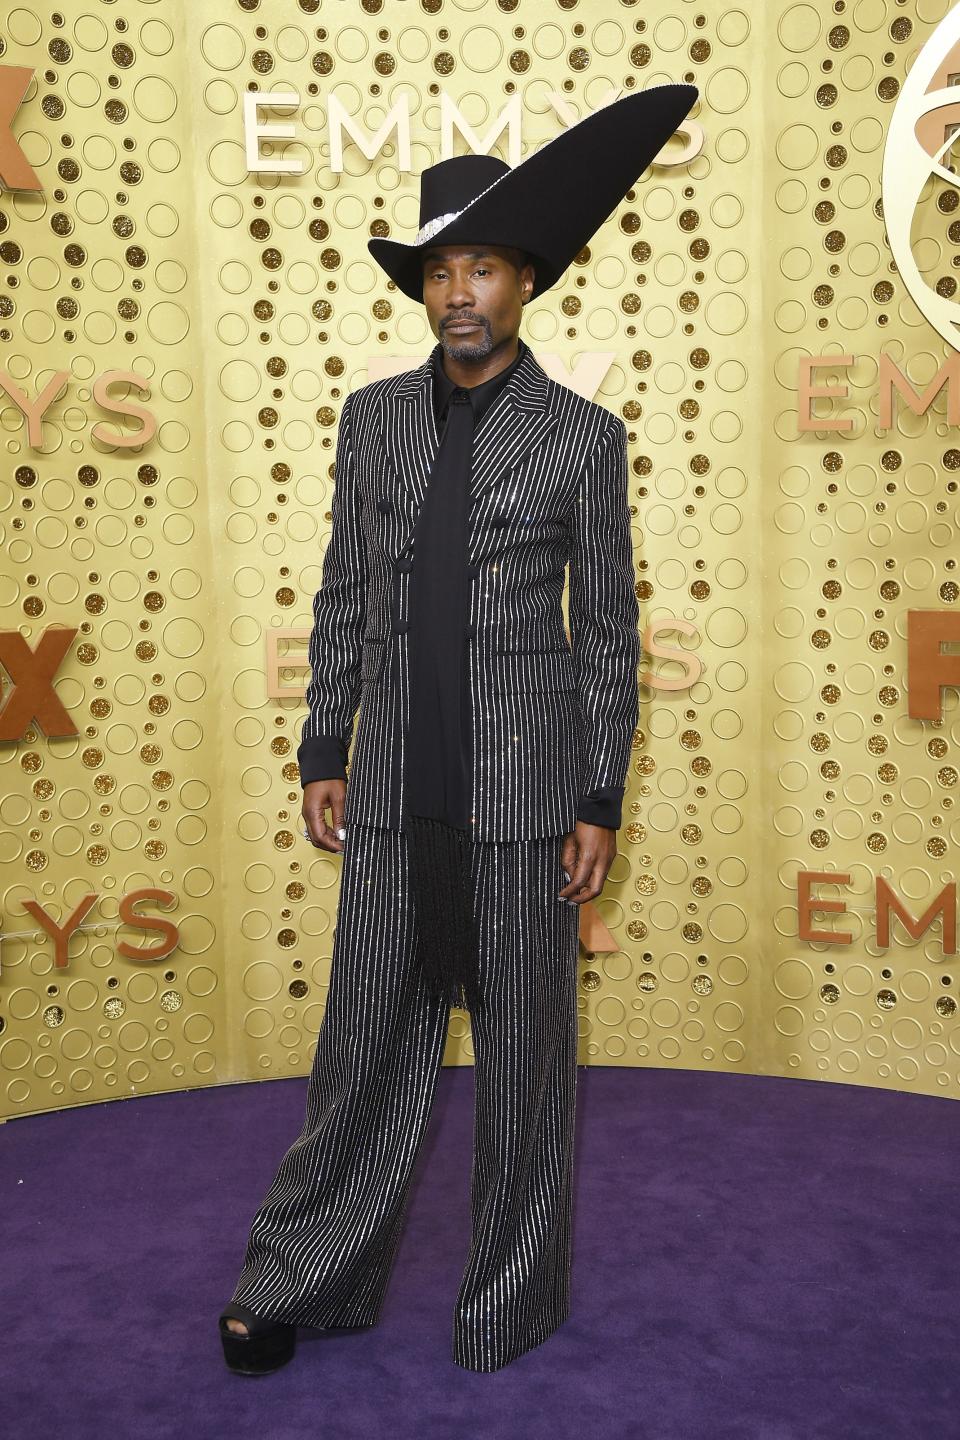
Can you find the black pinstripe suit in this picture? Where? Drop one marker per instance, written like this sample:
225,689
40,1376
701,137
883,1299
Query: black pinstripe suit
551,723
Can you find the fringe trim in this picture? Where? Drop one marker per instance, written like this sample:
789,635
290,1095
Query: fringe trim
439,858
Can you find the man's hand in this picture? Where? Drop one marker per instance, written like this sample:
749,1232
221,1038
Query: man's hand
587,854
319,796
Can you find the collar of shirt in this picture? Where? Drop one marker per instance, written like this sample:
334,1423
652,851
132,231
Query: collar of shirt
481,396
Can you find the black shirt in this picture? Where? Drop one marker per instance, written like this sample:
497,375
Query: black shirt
438,772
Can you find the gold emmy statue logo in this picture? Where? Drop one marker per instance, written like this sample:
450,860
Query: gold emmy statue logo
921,132
16,172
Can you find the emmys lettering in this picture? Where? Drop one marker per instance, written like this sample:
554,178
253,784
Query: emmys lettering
396,123
585,378
33,411
60,934
889,377
944,905
691,667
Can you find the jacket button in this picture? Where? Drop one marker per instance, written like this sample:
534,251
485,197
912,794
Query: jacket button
401,627
384,506
404,563
473,571
501,518
471,631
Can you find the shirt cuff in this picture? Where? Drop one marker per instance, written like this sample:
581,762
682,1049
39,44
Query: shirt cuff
602,807
322,757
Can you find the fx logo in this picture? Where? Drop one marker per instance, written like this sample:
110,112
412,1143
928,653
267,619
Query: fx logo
33,673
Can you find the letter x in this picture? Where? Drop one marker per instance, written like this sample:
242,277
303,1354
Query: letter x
32,673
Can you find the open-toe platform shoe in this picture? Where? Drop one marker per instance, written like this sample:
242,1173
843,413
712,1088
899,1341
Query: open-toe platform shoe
267,1345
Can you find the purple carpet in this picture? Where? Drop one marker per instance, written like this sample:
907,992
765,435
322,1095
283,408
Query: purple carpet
754,1258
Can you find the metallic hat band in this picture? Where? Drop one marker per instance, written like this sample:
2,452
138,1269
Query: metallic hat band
426,232
432,226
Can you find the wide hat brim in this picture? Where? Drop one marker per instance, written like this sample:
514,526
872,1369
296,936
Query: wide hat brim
554,201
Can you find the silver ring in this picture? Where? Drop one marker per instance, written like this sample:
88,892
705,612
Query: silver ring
305,833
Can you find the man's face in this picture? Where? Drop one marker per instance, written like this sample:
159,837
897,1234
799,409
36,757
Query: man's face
480,286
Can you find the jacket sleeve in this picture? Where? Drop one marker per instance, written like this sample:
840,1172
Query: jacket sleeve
604,634
336,641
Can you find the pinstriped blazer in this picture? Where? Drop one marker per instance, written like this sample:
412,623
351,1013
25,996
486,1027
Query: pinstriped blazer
552,721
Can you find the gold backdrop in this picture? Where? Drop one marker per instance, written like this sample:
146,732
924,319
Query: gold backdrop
776,562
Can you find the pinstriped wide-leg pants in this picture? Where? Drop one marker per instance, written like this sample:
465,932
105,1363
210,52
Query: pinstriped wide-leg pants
322,1244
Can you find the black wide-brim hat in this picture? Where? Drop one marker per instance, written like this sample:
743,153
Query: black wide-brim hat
550,204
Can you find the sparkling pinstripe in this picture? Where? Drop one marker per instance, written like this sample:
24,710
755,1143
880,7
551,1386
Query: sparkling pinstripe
552,721
322,1244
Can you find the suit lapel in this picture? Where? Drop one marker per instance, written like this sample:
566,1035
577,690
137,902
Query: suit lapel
410,431
515,422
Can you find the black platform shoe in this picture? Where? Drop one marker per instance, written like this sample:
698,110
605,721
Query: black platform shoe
267,1345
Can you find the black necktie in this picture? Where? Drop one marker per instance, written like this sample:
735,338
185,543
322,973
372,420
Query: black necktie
437,823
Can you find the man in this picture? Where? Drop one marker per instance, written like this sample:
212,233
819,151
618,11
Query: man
488,768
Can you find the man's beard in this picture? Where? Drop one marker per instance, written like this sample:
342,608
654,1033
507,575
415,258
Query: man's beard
468,347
